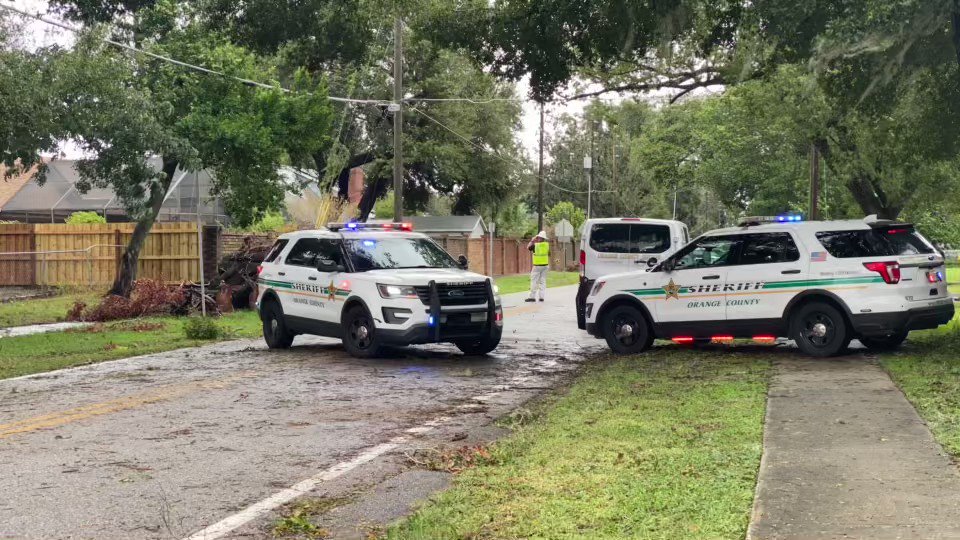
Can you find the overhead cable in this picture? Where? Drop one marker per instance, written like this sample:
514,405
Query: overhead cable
194,67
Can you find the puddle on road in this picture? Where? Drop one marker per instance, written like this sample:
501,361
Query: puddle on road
16,331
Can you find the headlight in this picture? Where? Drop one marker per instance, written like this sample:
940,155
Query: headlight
496,289
596,288
397,291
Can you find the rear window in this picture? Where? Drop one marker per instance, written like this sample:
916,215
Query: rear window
874,243
275,250
629,238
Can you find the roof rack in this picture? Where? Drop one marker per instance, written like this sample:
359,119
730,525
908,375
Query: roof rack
357,226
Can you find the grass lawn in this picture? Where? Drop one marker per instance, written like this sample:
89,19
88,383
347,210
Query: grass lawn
521,282
43,310
953,276
663,445
109,341
927,369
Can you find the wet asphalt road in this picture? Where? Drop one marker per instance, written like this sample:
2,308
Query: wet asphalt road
165,445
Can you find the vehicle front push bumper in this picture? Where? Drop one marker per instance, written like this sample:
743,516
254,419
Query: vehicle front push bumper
883,324
436,330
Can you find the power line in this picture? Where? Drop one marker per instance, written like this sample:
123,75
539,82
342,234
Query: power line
497,154
466,139
202,69
468,100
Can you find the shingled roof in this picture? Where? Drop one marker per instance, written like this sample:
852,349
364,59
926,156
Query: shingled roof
12,185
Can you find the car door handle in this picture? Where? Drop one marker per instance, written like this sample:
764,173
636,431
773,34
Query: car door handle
711,277
282,273
790,272
312,278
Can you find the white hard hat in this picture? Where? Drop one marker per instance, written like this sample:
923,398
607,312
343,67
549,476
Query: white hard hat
542,234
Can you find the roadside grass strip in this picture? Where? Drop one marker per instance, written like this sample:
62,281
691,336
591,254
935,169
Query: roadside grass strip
521,282
662,445
43,310
927,370
38,353
953,279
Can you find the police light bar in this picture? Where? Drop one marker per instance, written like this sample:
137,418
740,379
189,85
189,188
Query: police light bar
782,218
355,226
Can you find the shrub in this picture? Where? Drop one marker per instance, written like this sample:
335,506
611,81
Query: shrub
270,222
81,218
201,328
149,297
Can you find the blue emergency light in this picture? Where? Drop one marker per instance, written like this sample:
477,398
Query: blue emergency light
759,220
354,226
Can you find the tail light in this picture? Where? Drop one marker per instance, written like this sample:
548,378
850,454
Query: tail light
889,271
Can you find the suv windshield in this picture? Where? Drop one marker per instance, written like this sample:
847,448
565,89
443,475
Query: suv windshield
874,242
386,253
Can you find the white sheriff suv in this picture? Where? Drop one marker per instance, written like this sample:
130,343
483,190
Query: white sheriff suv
374,286
820,283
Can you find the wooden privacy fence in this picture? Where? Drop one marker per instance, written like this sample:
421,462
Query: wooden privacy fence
61,254
510,255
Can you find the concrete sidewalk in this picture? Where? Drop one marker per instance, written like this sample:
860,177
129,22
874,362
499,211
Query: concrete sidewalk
847,456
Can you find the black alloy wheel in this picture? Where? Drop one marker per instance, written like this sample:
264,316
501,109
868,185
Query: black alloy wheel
626,330
820,330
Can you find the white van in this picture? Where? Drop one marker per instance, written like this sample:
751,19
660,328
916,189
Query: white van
616,245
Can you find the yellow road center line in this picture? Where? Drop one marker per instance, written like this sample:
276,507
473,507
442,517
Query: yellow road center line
517,310
133,401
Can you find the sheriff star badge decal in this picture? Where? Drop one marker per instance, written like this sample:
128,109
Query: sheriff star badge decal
672,290
332,292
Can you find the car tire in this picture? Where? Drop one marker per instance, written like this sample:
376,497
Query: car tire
819,329
481,346
360,334
275,331
891,342
626,330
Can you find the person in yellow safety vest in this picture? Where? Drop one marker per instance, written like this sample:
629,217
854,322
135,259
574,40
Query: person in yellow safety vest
541,263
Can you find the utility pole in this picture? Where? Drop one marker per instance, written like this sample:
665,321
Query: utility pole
814,183
588,167
540,178
398,120
676,190
203,281
614,158
590,172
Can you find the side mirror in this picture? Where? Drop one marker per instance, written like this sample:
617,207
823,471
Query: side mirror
329,265
462,261
652,261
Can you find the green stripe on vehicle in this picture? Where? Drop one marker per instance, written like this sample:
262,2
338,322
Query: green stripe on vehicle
799,283
821,282
280,284
286,285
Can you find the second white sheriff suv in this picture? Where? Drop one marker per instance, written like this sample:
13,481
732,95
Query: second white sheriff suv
373,286
624,244
820,283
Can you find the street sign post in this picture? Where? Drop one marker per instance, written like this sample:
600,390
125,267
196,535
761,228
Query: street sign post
563,231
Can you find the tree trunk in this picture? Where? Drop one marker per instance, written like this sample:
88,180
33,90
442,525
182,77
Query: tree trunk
955,20
127,269
872,200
